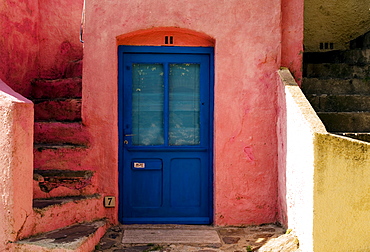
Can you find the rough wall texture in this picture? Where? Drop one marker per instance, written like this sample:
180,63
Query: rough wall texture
342,193
59,36
16,138
19,43
37,39
296,168
335,22
323,180
247,55
292,24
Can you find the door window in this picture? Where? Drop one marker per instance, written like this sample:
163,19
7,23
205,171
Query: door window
184,108
147,104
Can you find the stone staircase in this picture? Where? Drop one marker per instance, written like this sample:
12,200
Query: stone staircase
64,184
337,84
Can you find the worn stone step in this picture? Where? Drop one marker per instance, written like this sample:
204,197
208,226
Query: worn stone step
78,237
346,121
72,179
57,109
363,136
62,191
353,57
59,212
60,133
362,41
60,157
337,70
339,103
65,191
59,88
336,86
357,57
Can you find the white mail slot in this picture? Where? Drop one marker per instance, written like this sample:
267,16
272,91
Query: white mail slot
139,165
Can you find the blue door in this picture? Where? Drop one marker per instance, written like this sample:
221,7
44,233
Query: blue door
165,129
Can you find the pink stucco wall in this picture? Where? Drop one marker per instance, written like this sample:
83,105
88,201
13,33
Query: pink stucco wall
292,32
19,43
37,39
16,143
59,36
248,37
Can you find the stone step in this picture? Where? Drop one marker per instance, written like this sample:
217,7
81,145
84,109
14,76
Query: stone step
57,109
337,70
60,157
339,103
363,136
60,133
59,88
64,191
353,57
72,179
346,121
335,86
357,57
362,41
79,238
59,212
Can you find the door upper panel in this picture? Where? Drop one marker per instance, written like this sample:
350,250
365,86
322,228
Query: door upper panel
168,103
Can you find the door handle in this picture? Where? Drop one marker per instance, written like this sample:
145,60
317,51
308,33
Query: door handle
130,135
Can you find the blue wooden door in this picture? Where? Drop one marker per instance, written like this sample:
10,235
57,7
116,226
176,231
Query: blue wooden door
165,129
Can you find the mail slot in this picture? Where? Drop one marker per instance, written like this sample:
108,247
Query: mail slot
147,164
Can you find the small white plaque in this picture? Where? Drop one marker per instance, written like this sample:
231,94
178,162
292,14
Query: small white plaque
139,165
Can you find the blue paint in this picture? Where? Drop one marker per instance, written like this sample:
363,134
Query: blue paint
165,134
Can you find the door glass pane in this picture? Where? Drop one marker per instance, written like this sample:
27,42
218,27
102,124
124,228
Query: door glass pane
184,109
147,104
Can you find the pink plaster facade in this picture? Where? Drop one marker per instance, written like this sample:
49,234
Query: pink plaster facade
249,42
251,39
59,28
19,43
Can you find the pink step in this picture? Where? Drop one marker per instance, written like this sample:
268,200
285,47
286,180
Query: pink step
63,191
54,213
59,157
58,110
68,88
80,237
61,183
62,212
85,240
60,133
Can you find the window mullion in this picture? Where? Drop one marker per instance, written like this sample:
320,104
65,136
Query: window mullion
166,104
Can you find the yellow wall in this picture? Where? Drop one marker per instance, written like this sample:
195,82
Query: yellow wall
324,179
341,194
335,21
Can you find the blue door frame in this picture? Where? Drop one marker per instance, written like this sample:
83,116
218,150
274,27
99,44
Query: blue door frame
165,134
